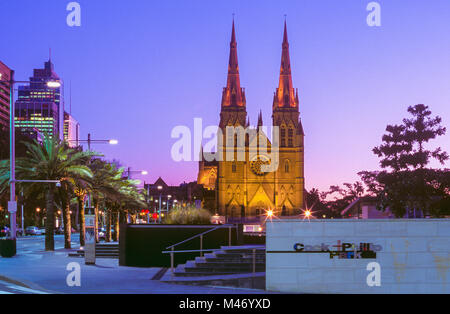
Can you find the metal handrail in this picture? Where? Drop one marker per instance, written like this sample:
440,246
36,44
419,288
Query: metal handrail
209,250
172,253
201,234
190,251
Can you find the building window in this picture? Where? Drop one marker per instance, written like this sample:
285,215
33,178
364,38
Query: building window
286,166
283,137
233,167
291,137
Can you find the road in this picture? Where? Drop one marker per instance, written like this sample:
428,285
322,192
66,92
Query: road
34,244
12,288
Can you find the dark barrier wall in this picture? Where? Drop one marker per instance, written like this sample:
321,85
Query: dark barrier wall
141,245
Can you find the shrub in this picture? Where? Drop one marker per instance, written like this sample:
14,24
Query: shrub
189,216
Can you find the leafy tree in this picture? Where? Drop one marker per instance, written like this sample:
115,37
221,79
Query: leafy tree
406,183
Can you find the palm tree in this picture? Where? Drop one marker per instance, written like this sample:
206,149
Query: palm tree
102,184
51,160
80,192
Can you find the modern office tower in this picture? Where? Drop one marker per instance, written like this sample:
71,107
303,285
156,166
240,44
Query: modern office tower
5,75
71,130
38,106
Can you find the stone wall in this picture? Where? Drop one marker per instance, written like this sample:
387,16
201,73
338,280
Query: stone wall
414,255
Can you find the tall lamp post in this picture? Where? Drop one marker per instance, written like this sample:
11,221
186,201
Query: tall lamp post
90,141
12,204
129,172
160,196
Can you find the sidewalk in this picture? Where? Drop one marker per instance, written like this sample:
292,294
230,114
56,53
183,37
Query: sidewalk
47,271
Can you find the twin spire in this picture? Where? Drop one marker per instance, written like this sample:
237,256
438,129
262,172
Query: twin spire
285,96
233,94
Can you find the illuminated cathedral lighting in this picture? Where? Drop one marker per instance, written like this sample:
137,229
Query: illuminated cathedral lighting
241,188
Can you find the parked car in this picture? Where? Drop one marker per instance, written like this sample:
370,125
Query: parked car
32,230
60,230
4,231
102,233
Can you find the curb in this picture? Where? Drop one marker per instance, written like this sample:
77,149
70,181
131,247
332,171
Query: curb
26,284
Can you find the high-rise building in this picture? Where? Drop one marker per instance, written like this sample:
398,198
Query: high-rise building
71,130
242,188
38,106
5,75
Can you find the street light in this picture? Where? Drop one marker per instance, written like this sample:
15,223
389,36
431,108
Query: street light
141,172
160,195
12,204
90,141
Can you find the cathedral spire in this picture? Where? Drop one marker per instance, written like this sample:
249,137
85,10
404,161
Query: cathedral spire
233,94
260,119
285,96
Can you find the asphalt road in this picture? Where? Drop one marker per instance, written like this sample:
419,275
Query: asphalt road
12,288
33,244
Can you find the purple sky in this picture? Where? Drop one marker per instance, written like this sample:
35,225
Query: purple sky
139,68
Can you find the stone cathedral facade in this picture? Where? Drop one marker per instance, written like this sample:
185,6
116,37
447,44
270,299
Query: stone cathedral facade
239,188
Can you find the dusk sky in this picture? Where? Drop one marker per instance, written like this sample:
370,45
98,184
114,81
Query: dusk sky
139,68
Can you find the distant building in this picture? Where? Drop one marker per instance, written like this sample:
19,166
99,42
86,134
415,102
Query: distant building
183,194
5,75
38,106
71,130
366,207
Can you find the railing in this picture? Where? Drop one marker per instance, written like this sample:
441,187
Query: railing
172,253
201,235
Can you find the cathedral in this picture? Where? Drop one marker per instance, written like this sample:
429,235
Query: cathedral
239,187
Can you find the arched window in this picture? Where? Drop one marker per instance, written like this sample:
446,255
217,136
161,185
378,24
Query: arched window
291,137
230,137
283,137
287,167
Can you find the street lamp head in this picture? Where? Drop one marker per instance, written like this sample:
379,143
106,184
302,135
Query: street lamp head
53,84
144,173
160,187
113,142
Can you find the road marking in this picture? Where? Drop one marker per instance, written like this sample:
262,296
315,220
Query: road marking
23,289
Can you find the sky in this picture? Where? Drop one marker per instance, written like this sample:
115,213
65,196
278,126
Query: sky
139,68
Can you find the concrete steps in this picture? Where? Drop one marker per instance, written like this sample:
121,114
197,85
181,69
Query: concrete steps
242,267
102,250
226,261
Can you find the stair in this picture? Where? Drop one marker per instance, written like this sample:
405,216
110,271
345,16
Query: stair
229,266
102,250
228,260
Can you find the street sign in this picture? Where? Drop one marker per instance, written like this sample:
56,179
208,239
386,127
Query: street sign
89,249
12,207
90,228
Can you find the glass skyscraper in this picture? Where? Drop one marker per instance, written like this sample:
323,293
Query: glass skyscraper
5,75
38,107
